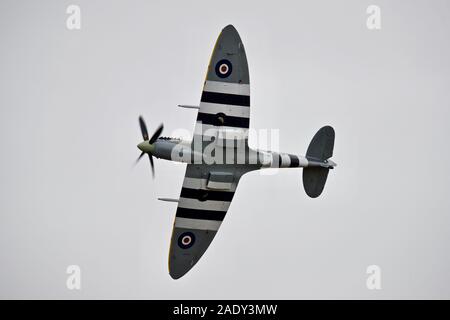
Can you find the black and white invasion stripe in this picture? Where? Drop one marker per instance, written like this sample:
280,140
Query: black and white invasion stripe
202,208
225,104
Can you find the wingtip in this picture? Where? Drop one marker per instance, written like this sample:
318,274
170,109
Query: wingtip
177,269
174,277
177,275
229,27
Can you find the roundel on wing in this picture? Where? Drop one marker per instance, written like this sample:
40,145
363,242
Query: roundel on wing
223,68
186,240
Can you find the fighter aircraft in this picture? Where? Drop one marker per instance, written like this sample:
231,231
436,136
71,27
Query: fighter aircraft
219,155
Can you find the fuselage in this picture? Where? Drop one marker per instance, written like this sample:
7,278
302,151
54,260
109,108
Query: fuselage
229,152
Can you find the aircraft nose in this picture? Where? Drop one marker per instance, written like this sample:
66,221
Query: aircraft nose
145,146
141,146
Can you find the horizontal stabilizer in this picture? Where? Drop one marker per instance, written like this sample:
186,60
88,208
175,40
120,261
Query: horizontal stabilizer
321,146
314,180
319,150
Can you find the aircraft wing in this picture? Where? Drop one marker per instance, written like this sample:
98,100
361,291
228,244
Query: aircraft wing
225,100
204,200
208,189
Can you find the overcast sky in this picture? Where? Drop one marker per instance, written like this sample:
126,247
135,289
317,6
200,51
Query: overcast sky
69,104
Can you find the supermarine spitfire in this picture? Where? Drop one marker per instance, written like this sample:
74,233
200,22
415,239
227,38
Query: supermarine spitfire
219,154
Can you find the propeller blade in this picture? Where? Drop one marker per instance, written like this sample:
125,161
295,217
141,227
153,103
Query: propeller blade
143,128
156,134
152,165
139,158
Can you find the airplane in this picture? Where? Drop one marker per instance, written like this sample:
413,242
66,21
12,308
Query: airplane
219,154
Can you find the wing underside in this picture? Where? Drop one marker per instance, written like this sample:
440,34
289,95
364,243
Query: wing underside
205,197
225,101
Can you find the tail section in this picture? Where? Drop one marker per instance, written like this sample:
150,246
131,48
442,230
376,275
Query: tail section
319,151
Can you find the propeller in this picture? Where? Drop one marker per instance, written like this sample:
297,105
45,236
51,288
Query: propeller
157,133
148,148
143,128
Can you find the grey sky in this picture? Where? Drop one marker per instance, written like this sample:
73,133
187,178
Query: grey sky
69,103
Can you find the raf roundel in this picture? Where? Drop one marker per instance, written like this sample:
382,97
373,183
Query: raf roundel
223,68
186,240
